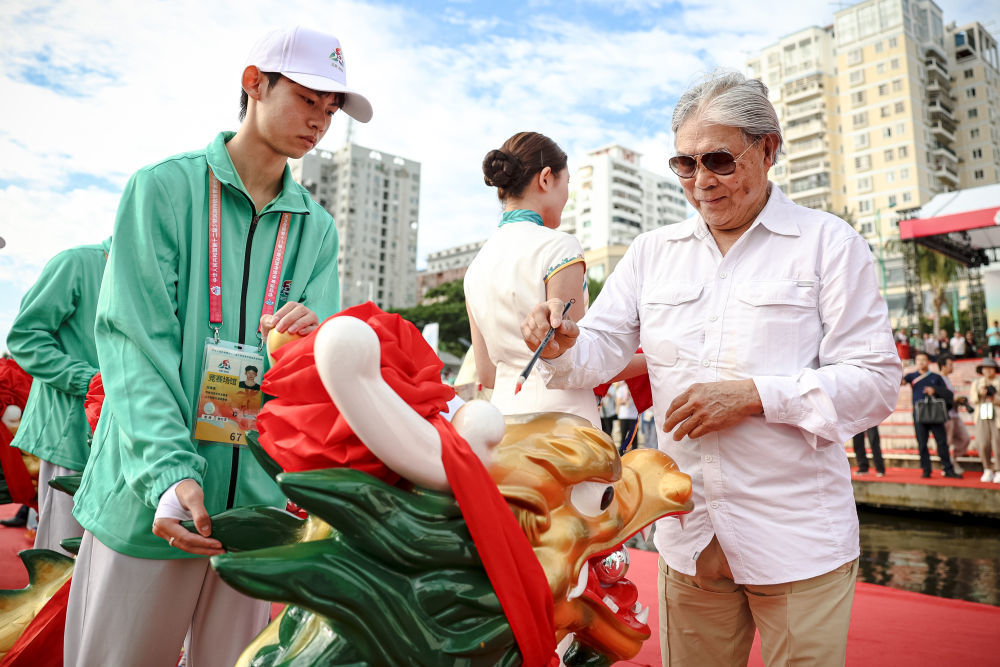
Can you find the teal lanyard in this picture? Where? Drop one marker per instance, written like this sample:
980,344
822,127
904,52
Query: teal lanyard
519,215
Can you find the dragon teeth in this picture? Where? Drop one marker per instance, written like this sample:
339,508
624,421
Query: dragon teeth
643,615
581,584
610,603
637,607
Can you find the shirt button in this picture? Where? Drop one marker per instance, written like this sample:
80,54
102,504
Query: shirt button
722,275
706,363
708,458
713,318
715,505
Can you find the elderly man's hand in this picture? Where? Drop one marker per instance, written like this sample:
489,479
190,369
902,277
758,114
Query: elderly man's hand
704,408
544,316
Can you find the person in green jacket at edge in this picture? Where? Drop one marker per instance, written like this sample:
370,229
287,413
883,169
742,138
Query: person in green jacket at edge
142,586
52,338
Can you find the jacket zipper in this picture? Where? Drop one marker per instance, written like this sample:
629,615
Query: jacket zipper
235,469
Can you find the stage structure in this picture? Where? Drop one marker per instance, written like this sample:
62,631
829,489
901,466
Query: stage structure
963,225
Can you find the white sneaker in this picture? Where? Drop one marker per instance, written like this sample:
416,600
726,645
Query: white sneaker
988,476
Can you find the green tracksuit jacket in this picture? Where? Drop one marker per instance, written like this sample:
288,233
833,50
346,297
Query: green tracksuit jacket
152,322
52,338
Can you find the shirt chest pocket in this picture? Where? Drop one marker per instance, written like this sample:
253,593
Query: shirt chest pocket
669,317
781,320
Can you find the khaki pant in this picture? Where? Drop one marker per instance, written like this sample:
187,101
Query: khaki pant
135,612
958,440
987,441
55,511
709,620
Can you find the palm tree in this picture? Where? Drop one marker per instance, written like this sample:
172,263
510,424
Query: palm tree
939,272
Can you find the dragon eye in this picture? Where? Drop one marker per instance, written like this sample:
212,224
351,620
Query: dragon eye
591,498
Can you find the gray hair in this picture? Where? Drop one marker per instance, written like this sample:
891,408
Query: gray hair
726,97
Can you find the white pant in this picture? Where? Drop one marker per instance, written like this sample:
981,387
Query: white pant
55,510
126,611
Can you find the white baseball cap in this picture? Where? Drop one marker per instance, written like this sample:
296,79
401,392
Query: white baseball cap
311,59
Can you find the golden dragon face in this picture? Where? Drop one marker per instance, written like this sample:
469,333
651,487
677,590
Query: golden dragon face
578,502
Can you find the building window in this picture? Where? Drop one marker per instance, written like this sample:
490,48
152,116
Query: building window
890,176
866,228
969,73
977,153
857,98
978,174
865,184
854,57
886,132
907,197
888,155
861,140
894,63
904,173
864,206
893,42
900,129
863,162
880,68
970,92
897,85
973,113
856,77
892,201
974,133
885,111
903,152
860,119
900,107
883,89
879,47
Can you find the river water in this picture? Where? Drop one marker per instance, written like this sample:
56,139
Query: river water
947,557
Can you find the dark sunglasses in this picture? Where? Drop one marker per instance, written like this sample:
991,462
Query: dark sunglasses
720,162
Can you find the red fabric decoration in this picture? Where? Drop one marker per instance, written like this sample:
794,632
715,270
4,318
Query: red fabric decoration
41,643
510,563
94,401
15,384
638,387
303,430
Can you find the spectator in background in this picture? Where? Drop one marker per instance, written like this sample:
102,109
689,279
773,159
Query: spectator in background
862,457
647,425
928,384
957,345
954,428
986,408
626,412
943,345
931,346
916,343
993,338
902,345
970,345
608,412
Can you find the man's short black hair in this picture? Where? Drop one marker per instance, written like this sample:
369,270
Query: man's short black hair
943,359
247,369
272,78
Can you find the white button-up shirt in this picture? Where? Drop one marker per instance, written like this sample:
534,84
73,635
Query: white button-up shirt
794,305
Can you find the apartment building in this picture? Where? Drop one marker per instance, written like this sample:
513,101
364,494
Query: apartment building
444,266
880,112
612,200
374,198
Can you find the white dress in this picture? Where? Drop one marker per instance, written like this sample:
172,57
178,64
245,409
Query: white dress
504,282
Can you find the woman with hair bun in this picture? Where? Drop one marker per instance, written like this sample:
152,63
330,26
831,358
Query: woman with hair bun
526,261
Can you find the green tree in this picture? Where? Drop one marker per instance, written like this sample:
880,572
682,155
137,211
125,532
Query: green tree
938,272
594,288
444,304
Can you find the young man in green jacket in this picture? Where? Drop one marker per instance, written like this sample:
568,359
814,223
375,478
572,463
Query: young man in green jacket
207,245
52,338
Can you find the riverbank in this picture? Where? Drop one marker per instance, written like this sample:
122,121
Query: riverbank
905,489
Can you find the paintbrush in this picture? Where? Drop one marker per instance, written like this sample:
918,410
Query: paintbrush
538,352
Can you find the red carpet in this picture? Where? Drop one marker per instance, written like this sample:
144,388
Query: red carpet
889,627
969,480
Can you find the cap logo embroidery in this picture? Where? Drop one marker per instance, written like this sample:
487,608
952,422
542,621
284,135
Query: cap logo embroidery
337,59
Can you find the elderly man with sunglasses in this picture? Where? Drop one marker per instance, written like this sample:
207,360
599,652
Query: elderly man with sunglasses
768,346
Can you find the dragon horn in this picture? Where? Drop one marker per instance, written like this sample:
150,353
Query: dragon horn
347,359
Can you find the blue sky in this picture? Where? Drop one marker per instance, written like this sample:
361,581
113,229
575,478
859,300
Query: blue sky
94,90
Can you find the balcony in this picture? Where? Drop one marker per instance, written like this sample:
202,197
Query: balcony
800,92
940,111
802,168
933,50
943,132
806,149
944,155
935,69
936,89
803,130
945,173
805,110
820,191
